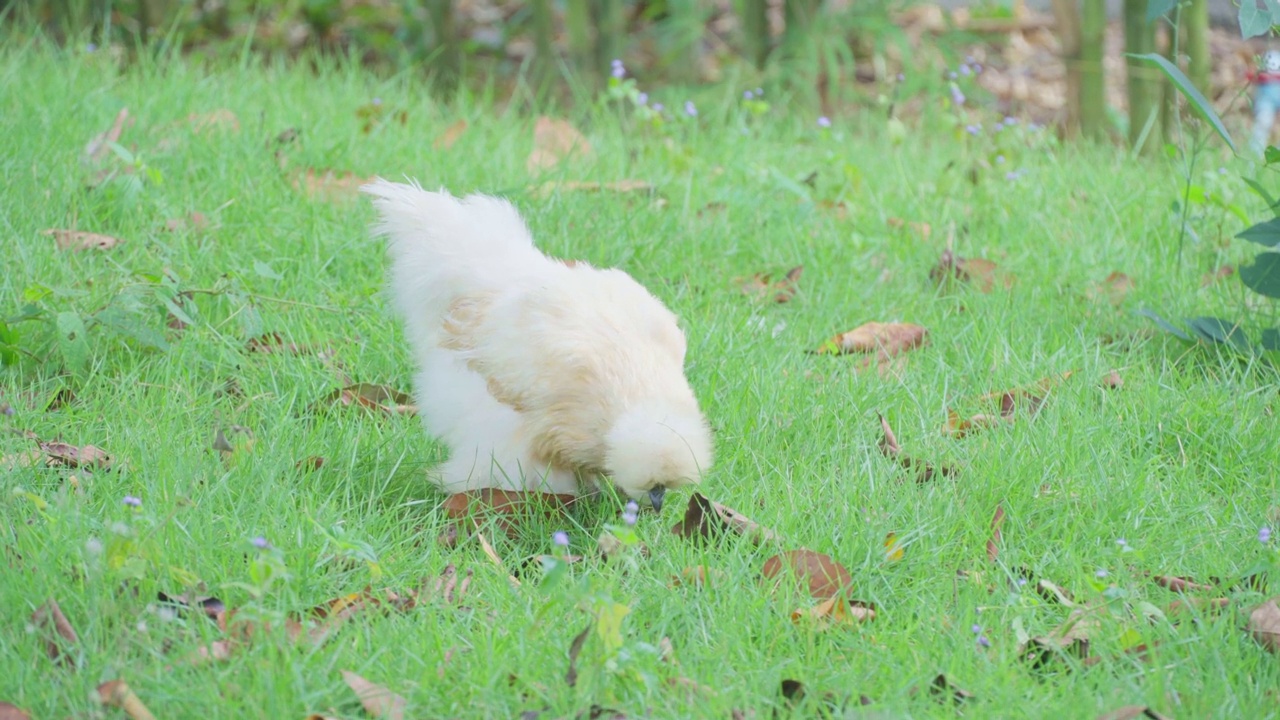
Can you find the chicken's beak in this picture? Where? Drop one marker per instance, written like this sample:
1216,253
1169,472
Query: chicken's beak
655,497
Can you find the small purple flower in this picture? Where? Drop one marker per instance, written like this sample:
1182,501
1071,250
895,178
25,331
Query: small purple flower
1035,127
824,121
7,409
1222,171
1010,120
1013,175
1101,574
690,109
643,98
1122,543
902,77
977,69
561,538
91,47
983,641
629,518
658,107
630,512
999,159
973,129
951,75
969,60
619,71
977,629
957,97
132,501
759,92
377,101
260,543
1264,534
1022,582
965,70
747,95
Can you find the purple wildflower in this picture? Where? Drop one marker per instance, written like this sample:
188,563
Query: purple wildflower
1264,534
658,107
969,59
132,501
977,629
1013,175
7,409
759,92
1122,542
1022,582
1222,171
561,538
973,129
824,121
999,159
690,109
1101,574
983,641
630,512
619,71
964,70
957,97
951,75
747,95
1010,120
902,77
977,69
377,101
643,98
260,543
91,47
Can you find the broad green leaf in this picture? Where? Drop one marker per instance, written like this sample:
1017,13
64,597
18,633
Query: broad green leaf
1266,234
1261,192
1273,7
1263,276
1270,339
1193,95
265,270
1164,324
1253,20
72,341
1220,331
1271,155
132,325
8,345
1157,8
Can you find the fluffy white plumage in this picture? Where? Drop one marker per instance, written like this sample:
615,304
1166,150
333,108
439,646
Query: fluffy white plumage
535,373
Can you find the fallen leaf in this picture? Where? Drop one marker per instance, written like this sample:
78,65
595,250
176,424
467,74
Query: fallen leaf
1202,605
49,617
370,397
1071,638
97,148
372,115
60,454
209,606
272,343
618,186
9,711
553,141
943,689
1115,288
1264,625
77,240
450,136
1208,279
220,119
330,185
116,693
1054,593
575,649
893,550
762,285
1028,398
699,576
310,464
984,274
1179,584
959,427
1131,712
922,229
835,611
506,505
707,520
1112,381
376,699
890,448
223,445
493,556
889,339
993,543
825,578
216,651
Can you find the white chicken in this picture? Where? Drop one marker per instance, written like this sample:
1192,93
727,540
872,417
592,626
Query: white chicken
537,374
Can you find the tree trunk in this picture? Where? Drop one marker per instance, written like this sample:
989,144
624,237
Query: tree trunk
582,48
1196,18
1143,80
446,66
544,57
755,30
688,25
611,32
1066,15
1093,83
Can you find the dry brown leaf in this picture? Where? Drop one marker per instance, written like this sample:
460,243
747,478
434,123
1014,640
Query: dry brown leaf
209,606
554,140
97,148
1112,381
1200,605
762,285
370,397
551,187
890,448
9,711
376,699
834,612
330,185
1208,279
993,543
310,463
958,427
1264,625
1071,638
196,221
1115,288
889,339
1179,584
699,576
1054,593
77,240
450,136
49,617
216,651
220,119
921,229
823,577
1029,398
117,694
493,556
1132,712
706,520
506,505
893,550
983,274
272,342
575,649
943,689
60,454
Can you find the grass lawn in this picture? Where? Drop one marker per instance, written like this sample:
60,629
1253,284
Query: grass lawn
1179,463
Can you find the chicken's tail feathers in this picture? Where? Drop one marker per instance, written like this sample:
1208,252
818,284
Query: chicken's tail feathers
443,247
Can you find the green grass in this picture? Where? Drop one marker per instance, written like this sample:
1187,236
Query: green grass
1180,462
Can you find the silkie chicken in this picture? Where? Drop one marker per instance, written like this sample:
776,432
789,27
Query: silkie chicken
537,374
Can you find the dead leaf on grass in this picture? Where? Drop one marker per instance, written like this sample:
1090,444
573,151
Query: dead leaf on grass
944,689
370,397
1054,593
373,114
1112,381
1070,639
272,343
922,229
1132,712
506,505
889,339
823,577
835,612
310,464
575,649
97,148
88,457
1223,272
78,240
208,605
762,285
1179,584
993,543
890,448
1264,625
450,136
554,140
51,622
9,711
330,185
699,576
1199,605
705,519
1028,398
1114,289
982,274
377,700
195,221
551,187
116,693
894,550
220,119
